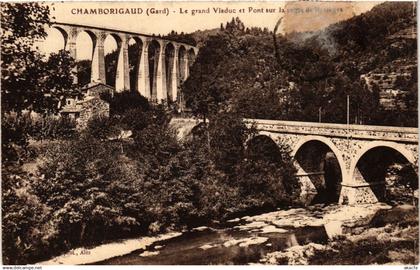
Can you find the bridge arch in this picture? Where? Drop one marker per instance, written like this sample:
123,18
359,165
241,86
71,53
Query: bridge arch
191,57
85,43
63,33
320,163
112,47
154,48
325,141
182,53
142,73
135,50
169,67
276,177
262,146
90,35
395,146
376,159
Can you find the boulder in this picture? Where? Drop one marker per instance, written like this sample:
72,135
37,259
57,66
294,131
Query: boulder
398,214
346,218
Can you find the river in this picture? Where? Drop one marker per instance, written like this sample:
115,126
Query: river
285,236
239,241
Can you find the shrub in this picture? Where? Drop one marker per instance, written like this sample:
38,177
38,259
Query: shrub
124,101
53,127
101,128
14,137
26,231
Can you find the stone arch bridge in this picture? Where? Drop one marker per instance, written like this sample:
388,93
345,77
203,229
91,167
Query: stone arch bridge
161,64
362,153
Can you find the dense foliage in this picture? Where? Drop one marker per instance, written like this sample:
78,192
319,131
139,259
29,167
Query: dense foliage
181,37
100,185
129,174
29,80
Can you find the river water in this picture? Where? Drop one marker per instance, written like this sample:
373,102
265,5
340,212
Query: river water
279,237
239,241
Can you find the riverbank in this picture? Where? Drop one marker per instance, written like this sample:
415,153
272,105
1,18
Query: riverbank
106,251
364,235
390,237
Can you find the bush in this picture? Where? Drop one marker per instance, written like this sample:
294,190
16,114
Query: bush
101,128
90,185
53,127
26,232
121,102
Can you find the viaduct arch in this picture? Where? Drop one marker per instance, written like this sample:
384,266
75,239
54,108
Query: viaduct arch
159,72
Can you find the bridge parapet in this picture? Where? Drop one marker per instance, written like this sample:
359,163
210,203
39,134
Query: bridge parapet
362,132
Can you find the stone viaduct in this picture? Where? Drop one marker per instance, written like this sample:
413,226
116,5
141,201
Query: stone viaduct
161,64
362,153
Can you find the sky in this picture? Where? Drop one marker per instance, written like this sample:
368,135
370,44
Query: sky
180,16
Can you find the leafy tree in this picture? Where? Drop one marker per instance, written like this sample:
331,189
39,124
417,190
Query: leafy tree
21,24
201,90
230,62
125,101
56,82
80,188
25,227
28,80
14,137
227,134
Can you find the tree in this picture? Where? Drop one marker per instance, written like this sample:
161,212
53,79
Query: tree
230,63
125,101
56,82
28,80
201,90
228,134
21,25
25,226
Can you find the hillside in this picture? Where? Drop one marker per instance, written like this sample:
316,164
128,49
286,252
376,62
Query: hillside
314,71
200,36
378,47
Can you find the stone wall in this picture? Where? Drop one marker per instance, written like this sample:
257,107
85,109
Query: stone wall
92,107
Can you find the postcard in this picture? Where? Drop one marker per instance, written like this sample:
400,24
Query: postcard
209,133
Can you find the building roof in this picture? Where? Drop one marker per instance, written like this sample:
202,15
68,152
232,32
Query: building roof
96,84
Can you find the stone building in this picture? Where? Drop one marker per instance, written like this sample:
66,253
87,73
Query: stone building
91,105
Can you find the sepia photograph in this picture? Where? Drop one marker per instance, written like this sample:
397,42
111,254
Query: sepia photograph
209,133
